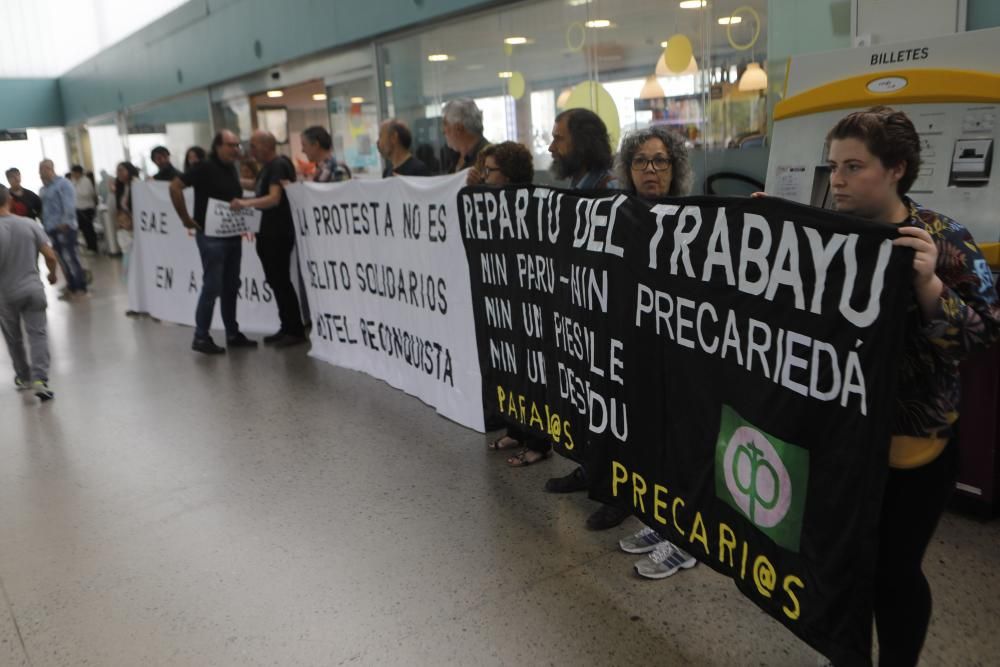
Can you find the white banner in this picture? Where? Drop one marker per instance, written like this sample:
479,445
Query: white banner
220,220
165,274
388,285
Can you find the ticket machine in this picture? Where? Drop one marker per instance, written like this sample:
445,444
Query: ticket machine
950,87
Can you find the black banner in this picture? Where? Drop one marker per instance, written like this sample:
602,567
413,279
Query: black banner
725,368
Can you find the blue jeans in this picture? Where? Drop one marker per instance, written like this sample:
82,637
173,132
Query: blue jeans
64,243
220,261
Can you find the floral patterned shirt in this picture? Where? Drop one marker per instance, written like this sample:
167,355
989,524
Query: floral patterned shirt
967,320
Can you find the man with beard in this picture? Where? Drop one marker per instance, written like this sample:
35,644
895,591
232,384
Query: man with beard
581,152
462,123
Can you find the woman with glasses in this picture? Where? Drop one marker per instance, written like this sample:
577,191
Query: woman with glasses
653,163
497,165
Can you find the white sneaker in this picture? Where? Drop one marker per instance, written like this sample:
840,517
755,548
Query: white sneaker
664,561
642,542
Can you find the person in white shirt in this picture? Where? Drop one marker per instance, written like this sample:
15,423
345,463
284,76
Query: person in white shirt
86,205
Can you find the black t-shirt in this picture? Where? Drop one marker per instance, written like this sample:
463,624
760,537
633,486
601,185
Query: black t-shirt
412,167
27,204
168,173
277,220
214,179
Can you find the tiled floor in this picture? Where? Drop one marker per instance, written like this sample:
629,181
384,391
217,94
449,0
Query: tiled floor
263,508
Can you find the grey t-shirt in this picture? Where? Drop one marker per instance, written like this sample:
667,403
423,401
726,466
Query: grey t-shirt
20,241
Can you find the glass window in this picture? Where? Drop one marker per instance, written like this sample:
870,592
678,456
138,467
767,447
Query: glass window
524,64
354,122
24,149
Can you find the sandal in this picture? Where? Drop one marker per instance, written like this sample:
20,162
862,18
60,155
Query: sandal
497,445
521,459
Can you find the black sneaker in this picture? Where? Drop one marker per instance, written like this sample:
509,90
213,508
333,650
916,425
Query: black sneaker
608,516
239,340
289,340
575,481
206,346
274,338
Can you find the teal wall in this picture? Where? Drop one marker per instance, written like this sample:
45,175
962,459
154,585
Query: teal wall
205,42
795,27
982,14
30,103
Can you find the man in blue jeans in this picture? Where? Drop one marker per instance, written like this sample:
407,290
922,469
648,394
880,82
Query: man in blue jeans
59,219
215,178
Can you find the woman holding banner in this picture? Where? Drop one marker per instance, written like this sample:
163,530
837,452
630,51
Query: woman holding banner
499,165
121,186
653,163
874,158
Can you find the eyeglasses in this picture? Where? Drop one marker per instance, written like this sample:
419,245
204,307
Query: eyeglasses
640,163
231,144
487,170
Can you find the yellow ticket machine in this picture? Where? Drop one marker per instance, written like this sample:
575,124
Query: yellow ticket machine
950,87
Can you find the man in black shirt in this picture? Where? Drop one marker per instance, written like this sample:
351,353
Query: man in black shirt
215,178
161,158
276,239
394,141
24,202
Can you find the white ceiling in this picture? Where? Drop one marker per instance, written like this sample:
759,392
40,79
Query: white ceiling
46,38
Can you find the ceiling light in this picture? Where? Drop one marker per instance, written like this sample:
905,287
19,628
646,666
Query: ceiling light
438,57
319,97
754,78
516,40
663,45
563,98
357,100
663,70
275,93
505,75
577,3
388,84
730,20
651,90
598,23
693,4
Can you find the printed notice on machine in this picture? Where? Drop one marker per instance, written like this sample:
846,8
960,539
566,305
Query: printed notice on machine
791,184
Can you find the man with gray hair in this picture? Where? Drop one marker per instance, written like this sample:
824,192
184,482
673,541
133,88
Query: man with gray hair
22,297
59,218
463,131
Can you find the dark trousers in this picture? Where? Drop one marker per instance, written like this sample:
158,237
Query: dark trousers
275,252
85,217
914,501
64,244
220,263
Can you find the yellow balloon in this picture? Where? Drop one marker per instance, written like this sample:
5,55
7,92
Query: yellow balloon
678,53
592,95
515,85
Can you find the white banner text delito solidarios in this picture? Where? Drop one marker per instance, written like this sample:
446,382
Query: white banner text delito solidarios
388,286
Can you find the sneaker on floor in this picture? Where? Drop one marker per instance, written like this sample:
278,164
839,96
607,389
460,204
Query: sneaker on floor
42,391
607,516
664,561
239,340
643,542
22,385
206,346
575,481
